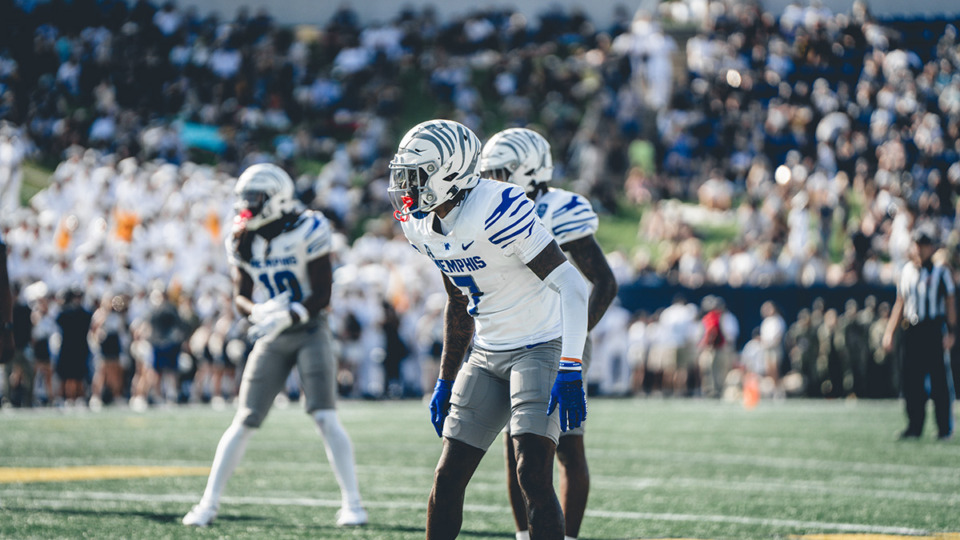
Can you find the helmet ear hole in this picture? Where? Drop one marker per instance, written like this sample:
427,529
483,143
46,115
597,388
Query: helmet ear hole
449,177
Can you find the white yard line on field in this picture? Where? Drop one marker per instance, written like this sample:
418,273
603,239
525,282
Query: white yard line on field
37,498
778,462
773,486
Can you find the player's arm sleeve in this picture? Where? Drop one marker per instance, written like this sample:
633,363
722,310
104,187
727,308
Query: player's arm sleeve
552,267
513,225
573,220
566,280
587,255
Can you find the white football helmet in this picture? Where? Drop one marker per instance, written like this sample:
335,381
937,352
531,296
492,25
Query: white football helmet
436,160
264,192
517,155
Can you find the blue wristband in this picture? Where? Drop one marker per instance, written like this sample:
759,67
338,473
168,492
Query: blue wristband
566,365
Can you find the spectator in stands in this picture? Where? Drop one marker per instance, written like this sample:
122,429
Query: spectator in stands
74,354
164,332
43,318
713,360
882,371
773,330
679,321
109,329
13,150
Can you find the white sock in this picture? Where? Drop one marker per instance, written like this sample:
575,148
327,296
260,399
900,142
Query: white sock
523,535
230,451
340,454
569,538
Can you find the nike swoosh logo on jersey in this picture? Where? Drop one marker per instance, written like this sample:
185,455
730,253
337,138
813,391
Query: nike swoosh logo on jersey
465,246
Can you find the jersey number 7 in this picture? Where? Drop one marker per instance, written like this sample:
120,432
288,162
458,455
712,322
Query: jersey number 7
467,282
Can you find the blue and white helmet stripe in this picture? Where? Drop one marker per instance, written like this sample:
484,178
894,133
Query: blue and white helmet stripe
523,153
435,161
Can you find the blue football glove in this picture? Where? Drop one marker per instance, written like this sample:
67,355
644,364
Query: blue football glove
440,404
567,392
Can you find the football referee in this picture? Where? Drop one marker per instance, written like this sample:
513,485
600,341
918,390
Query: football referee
925,308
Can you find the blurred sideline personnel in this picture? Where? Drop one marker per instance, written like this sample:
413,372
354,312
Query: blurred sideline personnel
500,269
522,156
925,307
6,315
282,284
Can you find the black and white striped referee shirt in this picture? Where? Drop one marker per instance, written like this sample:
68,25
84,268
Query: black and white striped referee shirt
924,291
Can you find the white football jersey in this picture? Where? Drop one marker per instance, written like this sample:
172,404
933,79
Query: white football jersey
280,265
495,233
566,215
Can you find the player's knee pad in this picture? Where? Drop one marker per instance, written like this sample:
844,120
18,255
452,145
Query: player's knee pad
241,429
327,421
249,417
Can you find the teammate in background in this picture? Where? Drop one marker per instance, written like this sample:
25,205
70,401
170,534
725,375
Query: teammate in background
507,279
282,282
522,157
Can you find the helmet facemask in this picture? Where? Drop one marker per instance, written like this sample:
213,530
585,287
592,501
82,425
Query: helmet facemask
501,174
264,193
409,190
249,209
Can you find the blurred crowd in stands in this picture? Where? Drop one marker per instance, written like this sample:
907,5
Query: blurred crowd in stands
817,137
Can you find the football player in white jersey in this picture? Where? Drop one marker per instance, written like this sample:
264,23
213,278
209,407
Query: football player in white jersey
282,282
512,292
522,156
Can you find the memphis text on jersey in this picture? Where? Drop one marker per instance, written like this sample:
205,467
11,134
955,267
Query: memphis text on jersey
450,266
270,263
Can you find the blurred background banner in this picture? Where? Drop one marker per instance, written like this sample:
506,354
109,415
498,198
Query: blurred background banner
746,301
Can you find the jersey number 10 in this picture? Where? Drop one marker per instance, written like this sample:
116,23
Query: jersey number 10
284,280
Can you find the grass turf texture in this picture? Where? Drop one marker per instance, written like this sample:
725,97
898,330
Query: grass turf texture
660,469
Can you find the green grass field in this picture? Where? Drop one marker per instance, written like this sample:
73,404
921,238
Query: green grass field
660,469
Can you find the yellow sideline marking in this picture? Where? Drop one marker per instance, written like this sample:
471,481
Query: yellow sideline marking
937,536
18,475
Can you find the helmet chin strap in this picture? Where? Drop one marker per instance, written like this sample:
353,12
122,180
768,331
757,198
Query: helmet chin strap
241,219
403,214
